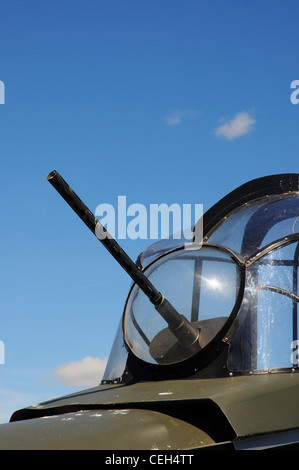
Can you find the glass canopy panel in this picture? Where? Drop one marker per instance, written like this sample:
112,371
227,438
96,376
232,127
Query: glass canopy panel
201,284
258,223
267,324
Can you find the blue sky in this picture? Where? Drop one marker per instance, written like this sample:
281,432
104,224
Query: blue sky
163,101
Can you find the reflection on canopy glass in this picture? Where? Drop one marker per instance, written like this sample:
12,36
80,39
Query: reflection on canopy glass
267,322
201,284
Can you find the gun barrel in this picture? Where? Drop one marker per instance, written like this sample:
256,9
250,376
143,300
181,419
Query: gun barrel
108,241
176,322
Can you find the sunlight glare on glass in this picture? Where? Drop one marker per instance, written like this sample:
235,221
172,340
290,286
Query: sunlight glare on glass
213,284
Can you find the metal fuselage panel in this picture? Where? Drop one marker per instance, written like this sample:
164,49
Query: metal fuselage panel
247,402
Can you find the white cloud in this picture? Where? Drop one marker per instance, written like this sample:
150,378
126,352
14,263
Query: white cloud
176,117
239,125
87,372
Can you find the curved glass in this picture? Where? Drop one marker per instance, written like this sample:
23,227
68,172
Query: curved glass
160,248
202,285
258,223
267,331
116,364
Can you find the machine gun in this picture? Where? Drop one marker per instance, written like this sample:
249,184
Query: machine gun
186,334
